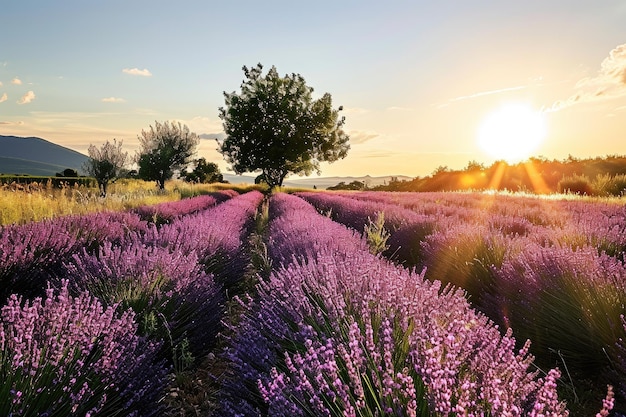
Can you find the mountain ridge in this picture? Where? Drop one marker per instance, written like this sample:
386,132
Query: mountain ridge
36,156
40,157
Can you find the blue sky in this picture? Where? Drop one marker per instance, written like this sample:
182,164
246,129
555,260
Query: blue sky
416,78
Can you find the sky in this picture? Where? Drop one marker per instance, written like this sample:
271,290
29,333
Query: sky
416,79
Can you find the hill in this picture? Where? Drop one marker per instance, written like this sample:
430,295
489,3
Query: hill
36,156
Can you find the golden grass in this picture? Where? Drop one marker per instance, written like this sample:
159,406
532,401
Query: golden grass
19,205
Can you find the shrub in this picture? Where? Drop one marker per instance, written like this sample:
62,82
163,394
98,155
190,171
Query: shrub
576,184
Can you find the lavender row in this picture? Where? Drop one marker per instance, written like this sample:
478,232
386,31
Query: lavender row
33,253
157,282
168,211
549,222
338,331
356,213
216,236
560,282
172,276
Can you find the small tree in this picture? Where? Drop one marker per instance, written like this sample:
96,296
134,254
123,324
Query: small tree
67,173
274,126
105,164
165,148
204,172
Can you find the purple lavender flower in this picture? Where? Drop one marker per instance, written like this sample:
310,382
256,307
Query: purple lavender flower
173,297
414,347
71,356
166,212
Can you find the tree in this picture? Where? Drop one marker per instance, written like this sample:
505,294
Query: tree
276,127
67,173
204,172
165,148
105,164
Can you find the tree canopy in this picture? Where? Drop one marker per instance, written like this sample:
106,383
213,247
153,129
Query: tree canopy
204,172
105,163
165,148
275,126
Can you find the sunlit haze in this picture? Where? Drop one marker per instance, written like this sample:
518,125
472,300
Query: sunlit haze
512,132
423,84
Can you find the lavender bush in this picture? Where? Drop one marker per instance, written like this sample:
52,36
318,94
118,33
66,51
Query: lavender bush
216,236
166,212
32,254
571,304
71,356
173,297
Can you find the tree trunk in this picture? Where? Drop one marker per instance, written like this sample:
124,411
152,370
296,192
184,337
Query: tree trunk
103,188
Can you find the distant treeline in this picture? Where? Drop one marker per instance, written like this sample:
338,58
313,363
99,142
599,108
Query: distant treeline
47,181
601,176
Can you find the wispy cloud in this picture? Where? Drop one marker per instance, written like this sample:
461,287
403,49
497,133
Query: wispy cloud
355,110
0,83
482,94
359,136
113,100
26,98
20,123
16,81
380,154
397,108
3,97
610,82
136,71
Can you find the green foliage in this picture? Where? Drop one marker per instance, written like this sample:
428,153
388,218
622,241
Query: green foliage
160,311
276,127
610,185
68,173
105,164
467,262
260,259
576,184
165,148
354,185
47,387
183,359
204,172
376,234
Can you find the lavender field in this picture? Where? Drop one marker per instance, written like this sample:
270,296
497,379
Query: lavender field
318,304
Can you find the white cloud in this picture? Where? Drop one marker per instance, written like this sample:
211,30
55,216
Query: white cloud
16,81
3,97
136,71
610,82
113,100
26,98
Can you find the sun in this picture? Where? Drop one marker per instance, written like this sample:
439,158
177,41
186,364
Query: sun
512,132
